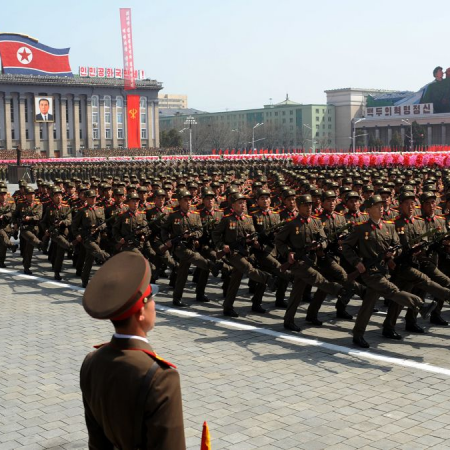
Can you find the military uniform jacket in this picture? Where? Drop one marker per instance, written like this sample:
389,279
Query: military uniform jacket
263,221
87,219
128,224
356,217
32,210
6,212
297,234
210,219
409,228
286,214
390,214
110,381
179,223
231,229
155,217
432,222
368,240
55,214
331,222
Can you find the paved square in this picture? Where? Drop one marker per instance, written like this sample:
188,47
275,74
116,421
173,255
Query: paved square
256,386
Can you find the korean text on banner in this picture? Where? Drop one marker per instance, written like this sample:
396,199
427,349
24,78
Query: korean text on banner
127,44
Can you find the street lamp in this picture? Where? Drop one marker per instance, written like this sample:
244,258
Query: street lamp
411,139
354,132
190,121
253,136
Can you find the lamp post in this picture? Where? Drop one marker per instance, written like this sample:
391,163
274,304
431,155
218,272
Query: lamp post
354,133
411,139
253,135
190,121
313,142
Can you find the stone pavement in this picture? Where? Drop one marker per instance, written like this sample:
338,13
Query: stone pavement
256,386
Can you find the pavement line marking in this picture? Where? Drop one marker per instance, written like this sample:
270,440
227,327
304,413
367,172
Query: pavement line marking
275,334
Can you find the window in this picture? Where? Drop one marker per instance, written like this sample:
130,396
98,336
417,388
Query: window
317,119
284,113
119,133
276,113
95,117
79,113
108,133
284,120
26,111
317,127
107,117
119,102
119,117
144,133
317,111
329,127
41,133
70,150
107,99
143,102
291,113
323,126
94,101
67,134
27,134
12,111
95,133
291,120
81,133
143,118
329,119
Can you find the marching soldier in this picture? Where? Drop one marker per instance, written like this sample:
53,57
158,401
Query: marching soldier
181,231
56,223
370,248
352,203
86,227
298,242
27,216
7,208
233,237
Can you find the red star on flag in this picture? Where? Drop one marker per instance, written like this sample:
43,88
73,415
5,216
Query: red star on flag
24,55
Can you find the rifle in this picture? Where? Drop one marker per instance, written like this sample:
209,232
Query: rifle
133,238
55,225
208,226
185,236
96,228
303,254
436,243
414,246
333,238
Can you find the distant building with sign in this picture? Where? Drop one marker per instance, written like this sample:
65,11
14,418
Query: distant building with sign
172,101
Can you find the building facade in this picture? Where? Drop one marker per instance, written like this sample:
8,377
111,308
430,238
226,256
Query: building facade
173,101
88,113
286,124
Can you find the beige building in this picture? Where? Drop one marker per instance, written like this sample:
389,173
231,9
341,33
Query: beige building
172,101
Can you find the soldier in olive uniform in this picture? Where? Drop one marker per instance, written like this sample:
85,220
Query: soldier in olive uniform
408,274
353,213
130,230
131,396
370,243
7,208
185,228
28,215
86,227
232,236
298,242
56,223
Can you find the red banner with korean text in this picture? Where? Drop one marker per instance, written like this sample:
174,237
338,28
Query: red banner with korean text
127,45
133,121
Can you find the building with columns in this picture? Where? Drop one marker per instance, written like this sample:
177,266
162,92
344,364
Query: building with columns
89,113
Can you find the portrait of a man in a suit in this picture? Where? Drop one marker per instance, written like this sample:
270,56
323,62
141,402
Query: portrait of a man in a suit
45,107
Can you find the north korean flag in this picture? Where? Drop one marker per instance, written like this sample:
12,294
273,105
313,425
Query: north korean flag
22,55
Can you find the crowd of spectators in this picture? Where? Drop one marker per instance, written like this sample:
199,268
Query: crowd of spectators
25,154
118,152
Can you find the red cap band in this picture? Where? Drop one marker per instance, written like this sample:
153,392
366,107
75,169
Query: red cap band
137,306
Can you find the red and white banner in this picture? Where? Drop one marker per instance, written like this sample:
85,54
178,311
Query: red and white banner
127,44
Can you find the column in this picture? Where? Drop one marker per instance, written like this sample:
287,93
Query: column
150,128
76,125
377,133
23,136
8,123
443,134
125,123
114,122
389,135
90,143
102,123
402,134
430,135
51,140
156,123
63,106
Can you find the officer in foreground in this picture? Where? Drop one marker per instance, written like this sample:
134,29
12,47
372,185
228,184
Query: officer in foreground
131,396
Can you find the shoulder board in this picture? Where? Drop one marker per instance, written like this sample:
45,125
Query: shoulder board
417,206
315,217
418,218
248,217
11,201
440,216
397,218
169,208
340,214
195,212
290,219
37,202
99,207
360,223
228,215
388,221
252,213
275,212
364,213
219,210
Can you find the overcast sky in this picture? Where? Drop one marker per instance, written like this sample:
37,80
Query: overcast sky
238,54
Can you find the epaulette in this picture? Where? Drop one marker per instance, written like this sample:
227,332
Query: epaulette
248,216
156,357
418,218
228,215
360,223
290,219
397,218
388,221
440,216
342,214
275,212
195,212
417,206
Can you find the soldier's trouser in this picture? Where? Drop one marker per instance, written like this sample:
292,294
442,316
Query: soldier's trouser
163,256
30,241
242,266
5,243
334,272
81,252
305,274
430,269
61,245
187,257
93,251
379,286
406,279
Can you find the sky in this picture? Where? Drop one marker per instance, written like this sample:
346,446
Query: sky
242,54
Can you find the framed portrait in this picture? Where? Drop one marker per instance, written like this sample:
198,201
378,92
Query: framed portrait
43,109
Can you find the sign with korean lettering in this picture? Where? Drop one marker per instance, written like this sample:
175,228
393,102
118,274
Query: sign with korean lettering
108,72
127,46
403,111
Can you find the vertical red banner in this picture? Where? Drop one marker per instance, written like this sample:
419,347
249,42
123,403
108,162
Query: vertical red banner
133,121
127,44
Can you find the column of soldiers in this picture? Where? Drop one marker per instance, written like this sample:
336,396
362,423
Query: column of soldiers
350,233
